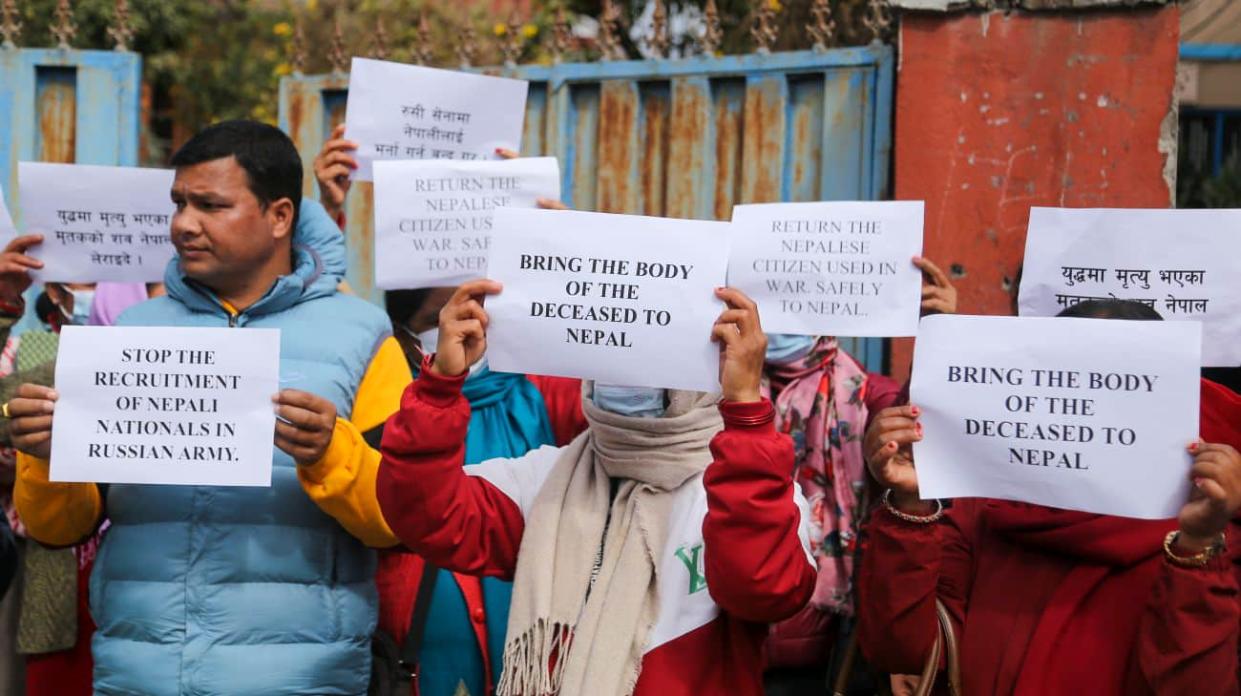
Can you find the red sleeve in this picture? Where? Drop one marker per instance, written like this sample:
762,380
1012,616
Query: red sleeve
1187,640
457,521
905,566
881,392
756,566
563,398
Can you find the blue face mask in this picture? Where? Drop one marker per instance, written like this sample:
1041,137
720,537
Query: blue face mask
785,348
82,301
638,402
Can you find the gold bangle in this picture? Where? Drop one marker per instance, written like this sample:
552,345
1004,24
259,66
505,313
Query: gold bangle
915,519
5,409
1198,560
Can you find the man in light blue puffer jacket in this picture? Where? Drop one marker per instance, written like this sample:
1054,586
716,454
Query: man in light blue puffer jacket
242,591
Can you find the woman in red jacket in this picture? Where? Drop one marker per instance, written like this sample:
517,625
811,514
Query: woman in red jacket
648,556
1047,601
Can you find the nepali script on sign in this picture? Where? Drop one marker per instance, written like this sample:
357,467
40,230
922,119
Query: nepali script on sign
98,223
1058,411
189,406
621,299
397,111
830,269
433,218
1185,264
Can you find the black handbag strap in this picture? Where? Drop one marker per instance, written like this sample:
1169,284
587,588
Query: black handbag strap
418,620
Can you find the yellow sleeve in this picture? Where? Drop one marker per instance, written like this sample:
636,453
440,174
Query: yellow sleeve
379,394
342,484
55,514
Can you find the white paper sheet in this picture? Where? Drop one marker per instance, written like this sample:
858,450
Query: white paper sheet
1105,426
433,218
1186,264
98,223
831,268
169,405
398,111
637,294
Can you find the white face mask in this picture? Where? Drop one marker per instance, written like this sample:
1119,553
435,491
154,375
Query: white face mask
430,339
82,301
639,402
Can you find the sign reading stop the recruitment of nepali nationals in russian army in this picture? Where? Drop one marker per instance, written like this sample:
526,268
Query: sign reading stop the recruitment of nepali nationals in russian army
165,404
397,111
98,223
433,218
621,299
832,268
1081,414
1185,264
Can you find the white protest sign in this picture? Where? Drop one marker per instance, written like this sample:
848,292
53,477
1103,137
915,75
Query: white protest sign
621,299
1186,264
1080,414
398,111
98,223
831,268
165,404
7,228
433,218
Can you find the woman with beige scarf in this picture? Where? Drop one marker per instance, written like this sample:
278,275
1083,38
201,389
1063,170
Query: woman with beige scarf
648,555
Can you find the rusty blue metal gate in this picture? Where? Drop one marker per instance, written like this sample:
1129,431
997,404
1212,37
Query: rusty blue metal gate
59,105
678,138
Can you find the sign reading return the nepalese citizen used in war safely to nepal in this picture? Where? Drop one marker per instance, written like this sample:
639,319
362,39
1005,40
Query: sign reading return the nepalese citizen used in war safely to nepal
1185,264
433,218
98,223
397,111
831,268
622,299
1081,414
165,405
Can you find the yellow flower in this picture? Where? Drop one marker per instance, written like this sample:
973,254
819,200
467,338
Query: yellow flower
775,5
282,29
312,5
529,31
499,29
284,69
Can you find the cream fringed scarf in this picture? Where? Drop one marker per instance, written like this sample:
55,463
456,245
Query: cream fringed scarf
556,645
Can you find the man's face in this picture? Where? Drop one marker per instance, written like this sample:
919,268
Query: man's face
220,230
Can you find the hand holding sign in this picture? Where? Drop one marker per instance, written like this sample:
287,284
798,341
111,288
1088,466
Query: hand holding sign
333,165
15,267
31,424
304,425
1216,496
888,447
743,347
939,295
463,328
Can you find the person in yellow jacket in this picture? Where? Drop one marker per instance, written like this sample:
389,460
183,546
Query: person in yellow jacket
222,590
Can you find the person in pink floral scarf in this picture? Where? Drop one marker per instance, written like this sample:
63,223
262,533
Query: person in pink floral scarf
823,399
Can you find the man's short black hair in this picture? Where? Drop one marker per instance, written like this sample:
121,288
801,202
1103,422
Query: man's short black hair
273,166
1112,309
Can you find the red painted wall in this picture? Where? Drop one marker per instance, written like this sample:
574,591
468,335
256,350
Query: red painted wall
998,113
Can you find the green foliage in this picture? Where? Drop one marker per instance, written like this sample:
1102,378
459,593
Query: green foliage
1220,191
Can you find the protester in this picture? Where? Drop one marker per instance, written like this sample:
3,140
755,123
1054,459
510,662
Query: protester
1047,601
510,415
228,590
592,612
824,399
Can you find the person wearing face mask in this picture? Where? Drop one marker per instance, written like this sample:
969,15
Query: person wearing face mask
463,625
824,399
648,555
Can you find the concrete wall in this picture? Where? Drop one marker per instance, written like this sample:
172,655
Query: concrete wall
997,112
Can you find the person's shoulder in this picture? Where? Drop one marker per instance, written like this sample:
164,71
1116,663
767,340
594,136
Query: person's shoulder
152,312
